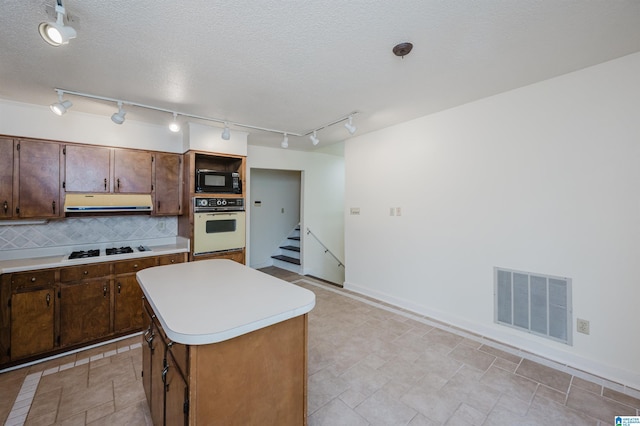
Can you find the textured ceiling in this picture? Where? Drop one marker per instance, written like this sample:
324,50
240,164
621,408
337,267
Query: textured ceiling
297,65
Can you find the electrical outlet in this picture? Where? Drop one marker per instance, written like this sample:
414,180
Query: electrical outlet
583,326
355,210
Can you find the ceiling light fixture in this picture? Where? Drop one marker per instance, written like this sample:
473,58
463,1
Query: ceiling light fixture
57,33
349,126
60,107
314,138
402,49
174,126
118,117
226,134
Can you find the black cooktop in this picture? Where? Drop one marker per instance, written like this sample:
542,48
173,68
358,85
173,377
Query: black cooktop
118,250
84,253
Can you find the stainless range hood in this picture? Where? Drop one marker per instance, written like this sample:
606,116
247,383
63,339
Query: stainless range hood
106,203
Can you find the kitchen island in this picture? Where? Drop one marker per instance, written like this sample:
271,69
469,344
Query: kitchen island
226,344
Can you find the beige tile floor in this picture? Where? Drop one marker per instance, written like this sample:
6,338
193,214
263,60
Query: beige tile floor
369,364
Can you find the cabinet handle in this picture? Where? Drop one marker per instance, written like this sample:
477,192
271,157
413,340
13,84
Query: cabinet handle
118,183
33,279
104,290
150,338
135,266
164,376
173,261
119,287
85,272
5,206
105,184
53,207
48,298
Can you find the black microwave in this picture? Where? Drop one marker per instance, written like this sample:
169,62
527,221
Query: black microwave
217,182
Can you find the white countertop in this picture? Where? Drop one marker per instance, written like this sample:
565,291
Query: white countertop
42,259
209,301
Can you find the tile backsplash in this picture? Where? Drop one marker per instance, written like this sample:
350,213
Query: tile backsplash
78,231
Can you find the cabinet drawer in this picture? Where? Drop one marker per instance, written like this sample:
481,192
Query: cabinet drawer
132,266
84,272
170,259
20,280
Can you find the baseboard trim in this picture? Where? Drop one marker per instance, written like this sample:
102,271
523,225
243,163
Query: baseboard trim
614,378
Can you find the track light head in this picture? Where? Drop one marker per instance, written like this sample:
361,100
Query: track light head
118,117
56,33
349,126
60,107
174,126
314,138
226,134
285,142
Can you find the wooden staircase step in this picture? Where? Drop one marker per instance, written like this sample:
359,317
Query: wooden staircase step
292,248
294,238
287,259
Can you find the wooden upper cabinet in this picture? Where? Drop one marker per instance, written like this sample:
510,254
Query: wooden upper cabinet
38,179
132,171
6,178
87,168
168,184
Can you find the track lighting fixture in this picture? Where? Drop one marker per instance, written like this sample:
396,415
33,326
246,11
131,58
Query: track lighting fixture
174,126
118,117
57,33
314,138
226,134
349,126
60,107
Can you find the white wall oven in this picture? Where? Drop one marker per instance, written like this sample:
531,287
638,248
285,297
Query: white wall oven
218,225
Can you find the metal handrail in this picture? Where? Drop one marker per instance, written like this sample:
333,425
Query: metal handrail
326,249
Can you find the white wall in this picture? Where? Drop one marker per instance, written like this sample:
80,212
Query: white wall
277,214
322,204
19,119
37,121
545,179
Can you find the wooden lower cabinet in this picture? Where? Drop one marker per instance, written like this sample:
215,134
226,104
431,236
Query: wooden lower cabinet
127,297
255,379
236,256
85,308
85,303
32,322
43,312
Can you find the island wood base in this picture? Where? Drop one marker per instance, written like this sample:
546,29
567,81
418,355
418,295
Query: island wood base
258,378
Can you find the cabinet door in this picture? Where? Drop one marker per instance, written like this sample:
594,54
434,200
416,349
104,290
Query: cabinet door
168,184
132,171
32,322
39,179
147,356
87,168
175,394
6,178
158,353
84,311
128,304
